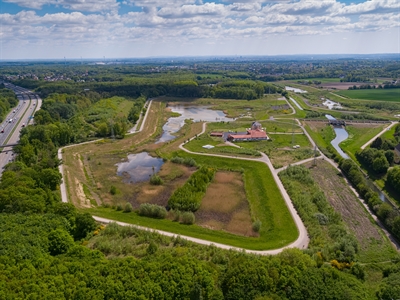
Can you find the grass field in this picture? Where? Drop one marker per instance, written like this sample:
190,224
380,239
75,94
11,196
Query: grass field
359,134
392,95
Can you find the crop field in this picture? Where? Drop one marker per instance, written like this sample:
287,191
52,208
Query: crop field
392,95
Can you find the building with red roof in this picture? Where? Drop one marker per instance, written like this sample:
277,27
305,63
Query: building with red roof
255,133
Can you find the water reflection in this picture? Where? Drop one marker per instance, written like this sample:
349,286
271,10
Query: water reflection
139,167
196,113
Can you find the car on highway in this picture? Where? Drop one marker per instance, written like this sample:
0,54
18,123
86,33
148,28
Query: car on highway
10,121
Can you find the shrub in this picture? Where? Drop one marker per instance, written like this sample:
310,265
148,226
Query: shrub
156,180
113,190
152,211
257,225
128,207
152,248
190,162
175,214
59,241
322,219
119,207
188,218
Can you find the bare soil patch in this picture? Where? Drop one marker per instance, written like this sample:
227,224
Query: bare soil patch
340,85
345,202
225,207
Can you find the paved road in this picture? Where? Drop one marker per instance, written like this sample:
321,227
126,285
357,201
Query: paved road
19,117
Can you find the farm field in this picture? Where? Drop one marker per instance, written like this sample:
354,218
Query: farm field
392,95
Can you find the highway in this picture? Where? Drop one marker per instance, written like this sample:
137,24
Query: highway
19,117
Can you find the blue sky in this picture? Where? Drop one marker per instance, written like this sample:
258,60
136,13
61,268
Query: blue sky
32,29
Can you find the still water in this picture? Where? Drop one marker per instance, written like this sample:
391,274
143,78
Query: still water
139,167
296,90
196,113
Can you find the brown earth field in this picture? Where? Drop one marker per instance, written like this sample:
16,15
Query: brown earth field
345,202
225,207
341,85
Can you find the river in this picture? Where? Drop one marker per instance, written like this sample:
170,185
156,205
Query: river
341,135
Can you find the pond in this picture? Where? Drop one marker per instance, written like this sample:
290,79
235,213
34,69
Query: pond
296,90
331,104
196,113
139,167
341,135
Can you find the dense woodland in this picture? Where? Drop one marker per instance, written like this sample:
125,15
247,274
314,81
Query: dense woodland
49,250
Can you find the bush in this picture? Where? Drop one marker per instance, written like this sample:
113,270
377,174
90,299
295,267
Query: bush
152,211
119,207
156,180
190,162
128,207
59,241
175,214
113,190
188,218
257,225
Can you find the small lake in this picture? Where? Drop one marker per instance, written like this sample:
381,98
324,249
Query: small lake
296,90
331,104
341,135
196,113
139,167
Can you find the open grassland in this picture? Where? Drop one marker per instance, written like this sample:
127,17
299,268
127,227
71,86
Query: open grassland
280,149
392,95
265,203
259,109
320,132
196,145
359,134
225,207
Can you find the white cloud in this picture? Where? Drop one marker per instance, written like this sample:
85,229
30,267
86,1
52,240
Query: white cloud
80,5
185,21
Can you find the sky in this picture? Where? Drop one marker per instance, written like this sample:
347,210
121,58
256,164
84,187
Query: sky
54,29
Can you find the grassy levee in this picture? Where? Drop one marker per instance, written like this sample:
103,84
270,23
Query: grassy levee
392,95
357,138
266,204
